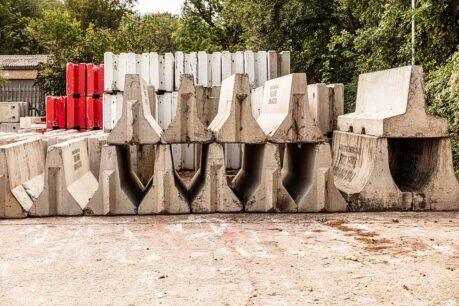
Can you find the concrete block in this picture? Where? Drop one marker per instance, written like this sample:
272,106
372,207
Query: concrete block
166,194
10,127
191,65
119,191
261,75
376,173
272,65
21,177
250,67
186,126
112,109
216,68
16,137
11,112
209,191
257,101
336,96
136,125
391,103
204,69
259,182
111,66
234,122
69,183
31,122
284,115
320,107
283,60
179,68
95,144
307,176
226,65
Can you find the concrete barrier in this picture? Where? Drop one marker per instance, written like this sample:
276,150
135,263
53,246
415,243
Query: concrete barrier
95,144
234,122
390,103
21,177
119,191
187,126
69,183
166,194
284,115
136,125
209,190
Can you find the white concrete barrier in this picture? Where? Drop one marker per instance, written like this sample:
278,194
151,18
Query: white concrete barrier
391,103
284,115
69,183
136,125
21,177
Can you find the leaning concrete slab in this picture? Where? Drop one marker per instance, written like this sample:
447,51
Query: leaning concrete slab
336,96
209,191
187,126
234,122
21,177
166,194
319,107
391,103
119,191
284,115
69,183
136,125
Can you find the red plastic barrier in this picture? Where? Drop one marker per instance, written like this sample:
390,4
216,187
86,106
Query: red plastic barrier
51,112
76,112
95,80
61,112
94,113
76,79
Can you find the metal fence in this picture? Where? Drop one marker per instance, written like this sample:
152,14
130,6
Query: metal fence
24,91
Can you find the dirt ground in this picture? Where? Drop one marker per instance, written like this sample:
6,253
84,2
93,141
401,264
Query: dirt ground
270,259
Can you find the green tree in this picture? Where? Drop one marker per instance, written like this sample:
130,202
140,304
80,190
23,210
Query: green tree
148,33
100,13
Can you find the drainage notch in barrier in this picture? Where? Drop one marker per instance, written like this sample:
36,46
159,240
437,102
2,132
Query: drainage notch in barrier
404,161
21,177
136,125
69,183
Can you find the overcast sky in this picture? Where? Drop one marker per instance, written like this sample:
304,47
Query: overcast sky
154,6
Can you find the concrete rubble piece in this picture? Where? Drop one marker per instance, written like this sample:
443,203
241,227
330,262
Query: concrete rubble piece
391,155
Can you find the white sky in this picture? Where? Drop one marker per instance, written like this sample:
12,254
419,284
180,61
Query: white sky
154,6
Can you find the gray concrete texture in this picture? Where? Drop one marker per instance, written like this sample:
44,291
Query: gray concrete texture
287,161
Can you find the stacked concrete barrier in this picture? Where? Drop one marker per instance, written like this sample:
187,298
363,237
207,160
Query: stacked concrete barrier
69,184
389,154
21,177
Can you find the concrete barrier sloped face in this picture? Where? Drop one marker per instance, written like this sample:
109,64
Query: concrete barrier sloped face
307,176
209,190
166,194
69,183
234,122
187,126
362,173
136,125
21,177
119,191
391,103
284,115
95,144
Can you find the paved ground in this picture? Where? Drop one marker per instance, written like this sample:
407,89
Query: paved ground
367,259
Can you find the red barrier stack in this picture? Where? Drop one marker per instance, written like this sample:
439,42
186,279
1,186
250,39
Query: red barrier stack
82,107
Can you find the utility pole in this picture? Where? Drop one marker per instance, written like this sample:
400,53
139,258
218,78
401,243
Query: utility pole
413,33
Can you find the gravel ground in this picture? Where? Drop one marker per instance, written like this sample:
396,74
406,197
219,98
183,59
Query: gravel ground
245,259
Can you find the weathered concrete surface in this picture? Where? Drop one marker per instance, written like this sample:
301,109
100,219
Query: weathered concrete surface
22,167
378,173
136,125
246,259
390,103
234,122
69,183
284,115
166,194
187,126
119,191
11,112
